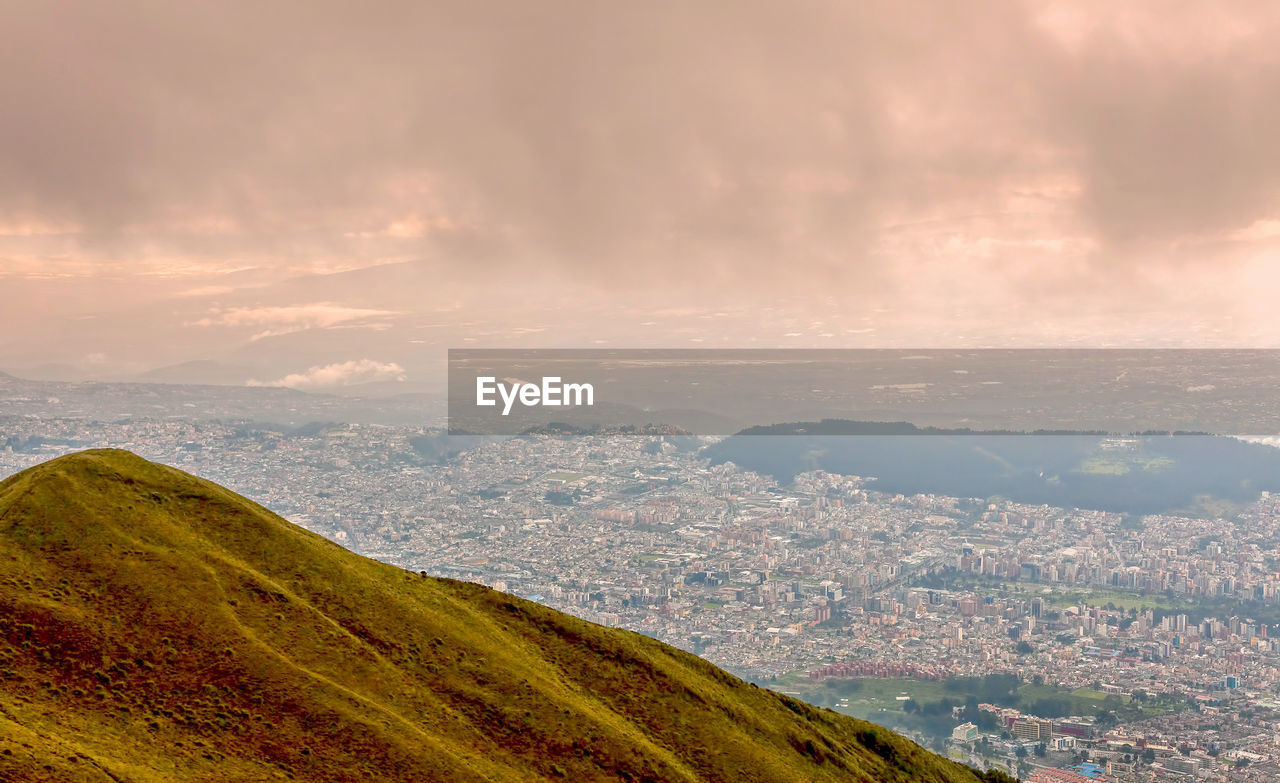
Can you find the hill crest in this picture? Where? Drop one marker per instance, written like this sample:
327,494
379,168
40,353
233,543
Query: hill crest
156,626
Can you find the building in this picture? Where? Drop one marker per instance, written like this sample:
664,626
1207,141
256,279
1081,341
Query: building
1058,776
1031,729
1119,768
965,732
1063,742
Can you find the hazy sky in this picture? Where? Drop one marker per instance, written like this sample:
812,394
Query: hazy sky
352,186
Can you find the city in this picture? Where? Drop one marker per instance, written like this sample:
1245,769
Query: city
1141,646
727,392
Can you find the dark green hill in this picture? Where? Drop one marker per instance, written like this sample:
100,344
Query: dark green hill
1138,474
157,627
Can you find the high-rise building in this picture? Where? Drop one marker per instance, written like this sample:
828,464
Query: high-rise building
1026,729
965,732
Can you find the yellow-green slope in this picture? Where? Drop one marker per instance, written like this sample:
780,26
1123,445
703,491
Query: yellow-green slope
157,627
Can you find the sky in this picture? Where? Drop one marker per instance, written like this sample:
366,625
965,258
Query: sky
324,193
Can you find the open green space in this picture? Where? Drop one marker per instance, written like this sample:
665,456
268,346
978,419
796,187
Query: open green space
908,704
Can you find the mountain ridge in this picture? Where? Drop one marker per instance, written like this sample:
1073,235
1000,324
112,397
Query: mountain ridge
155,626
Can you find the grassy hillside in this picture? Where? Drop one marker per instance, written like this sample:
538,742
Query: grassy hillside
157,627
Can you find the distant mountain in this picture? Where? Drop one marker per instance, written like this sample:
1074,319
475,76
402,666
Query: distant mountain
104,401
1142,474
155,626
376,389
52,372
202,372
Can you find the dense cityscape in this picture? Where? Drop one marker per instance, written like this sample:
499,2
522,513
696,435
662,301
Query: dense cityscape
1047,642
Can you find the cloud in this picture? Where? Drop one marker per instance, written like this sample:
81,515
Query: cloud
341,374
1012,165
728,141
295,318
206,290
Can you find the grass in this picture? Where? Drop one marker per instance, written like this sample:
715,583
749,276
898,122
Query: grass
872,696
882,694
1117,598
1119,465
1074,595
157,627
880,699
1093,696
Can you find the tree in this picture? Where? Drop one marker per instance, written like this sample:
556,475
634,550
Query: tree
558,498
985,720
910,705
1148,755
1024,648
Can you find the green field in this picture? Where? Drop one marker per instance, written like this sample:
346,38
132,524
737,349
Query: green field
1094,597
1073,596
884,701
1122,464
1084,701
